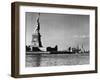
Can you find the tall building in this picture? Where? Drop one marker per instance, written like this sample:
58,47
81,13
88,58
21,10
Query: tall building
36,37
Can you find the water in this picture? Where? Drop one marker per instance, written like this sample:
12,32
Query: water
40,60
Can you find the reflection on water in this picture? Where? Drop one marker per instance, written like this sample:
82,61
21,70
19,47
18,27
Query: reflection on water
38,60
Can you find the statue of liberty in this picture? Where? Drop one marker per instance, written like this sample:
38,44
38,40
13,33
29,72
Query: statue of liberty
36,37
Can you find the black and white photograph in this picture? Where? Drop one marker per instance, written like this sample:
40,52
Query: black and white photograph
56,39
52,39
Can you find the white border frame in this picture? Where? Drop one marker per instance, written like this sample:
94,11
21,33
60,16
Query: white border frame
38,70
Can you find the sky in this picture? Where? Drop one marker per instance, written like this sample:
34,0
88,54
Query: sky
64,30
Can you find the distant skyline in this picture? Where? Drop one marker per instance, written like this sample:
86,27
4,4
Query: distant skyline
64,30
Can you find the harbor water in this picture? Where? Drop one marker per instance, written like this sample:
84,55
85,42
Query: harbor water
42,60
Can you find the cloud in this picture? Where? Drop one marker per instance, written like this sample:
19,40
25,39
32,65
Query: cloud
81,36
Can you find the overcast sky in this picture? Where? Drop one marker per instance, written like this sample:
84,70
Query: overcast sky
63,30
